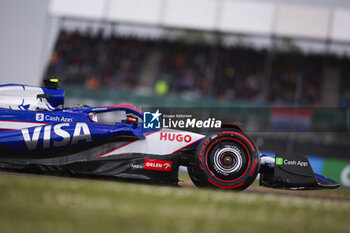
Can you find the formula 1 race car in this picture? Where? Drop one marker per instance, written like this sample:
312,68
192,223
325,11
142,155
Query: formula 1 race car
39,135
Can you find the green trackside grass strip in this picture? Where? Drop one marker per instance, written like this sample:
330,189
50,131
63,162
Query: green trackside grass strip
53,204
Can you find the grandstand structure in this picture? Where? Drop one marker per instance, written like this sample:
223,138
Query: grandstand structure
229,53
319,28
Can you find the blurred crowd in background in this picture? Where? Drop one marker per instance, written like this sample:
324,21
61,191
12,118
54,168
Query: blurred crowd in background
196,70
96,61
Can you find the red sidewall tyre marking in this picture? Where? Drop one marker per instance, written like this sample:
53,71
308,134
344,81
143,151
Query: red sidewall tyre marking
246,139
225,187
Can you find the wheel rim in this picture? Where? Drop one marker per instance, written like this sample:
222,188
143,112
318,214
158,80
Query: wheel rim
227,161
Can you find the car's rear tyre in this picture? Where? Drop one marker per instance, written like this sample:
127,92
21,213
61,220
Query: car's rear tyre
228,159
194,177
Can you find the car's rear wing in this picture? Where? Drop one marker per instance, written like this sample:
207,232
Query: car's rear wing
29,98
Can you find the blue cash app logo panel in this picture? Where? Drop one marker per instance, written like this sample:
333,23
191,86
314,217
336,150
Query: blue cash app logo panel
152,120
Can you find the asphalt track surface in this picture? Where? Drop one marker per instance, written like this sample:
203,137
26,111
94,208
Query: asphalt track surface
252,189
300,193
322,194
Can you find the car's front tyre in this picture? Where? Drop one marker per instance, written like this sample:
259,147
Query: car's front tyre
228,159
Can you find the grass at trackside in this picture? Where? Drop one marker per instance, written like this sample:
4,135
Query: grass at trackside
53,204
